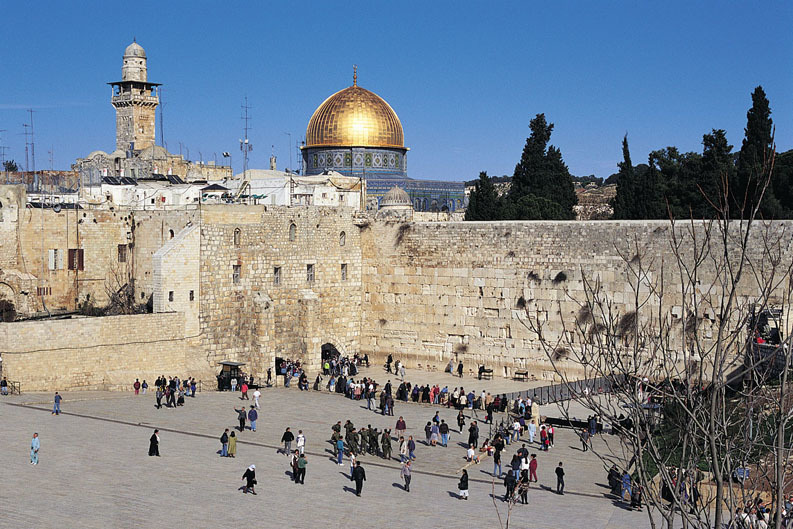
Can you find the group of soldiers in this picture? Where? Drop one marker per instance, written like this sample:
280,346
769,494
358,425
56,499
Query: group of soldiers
364,441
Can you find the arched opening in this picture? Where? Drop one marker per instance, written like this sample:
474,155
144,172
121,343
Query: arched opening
342,239
329,352
7,309
170,234
237,235
292,232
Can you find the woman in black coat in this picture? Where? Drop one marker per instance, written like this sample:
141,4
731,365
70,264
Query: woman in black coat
250,477
463,485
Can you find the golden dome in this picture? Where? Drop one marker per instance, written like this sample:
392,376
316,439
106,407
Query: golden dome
354,117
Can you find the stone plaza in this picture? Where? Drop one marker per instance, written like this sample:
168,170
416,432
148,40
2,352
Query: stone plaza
94,470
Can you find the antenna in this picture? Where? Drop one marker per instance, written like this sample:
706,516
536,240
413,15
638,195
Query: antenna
245,145
162,129
290,149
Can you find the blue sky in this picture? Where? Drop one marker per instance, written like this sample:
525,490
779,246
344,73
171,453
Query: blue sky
465,78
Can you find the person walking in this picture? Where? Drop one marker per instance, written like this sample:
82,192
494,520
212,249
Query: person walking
443,428
242,417
473,434
301,442
497,464
256,395
403,450
462,486
411,448
136,386
56,409
253,416
460,374
560,479
400,427
359,476
158,395
144,386
250,480
224,443
287,439
584,439
154,444
232,452
35,445
405,473
461,421
533,468
244,391
385,443
523,487
4,386
233,384
340,450
302,463
510,482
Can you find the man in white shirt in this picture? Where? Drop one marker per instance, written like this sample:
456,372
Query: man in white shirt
256,395
301,442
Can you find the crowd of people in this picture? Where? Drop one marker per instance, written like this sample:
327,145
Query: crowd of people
172,389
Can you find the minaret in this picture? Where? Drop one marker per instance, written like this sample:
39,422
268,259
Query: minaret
135,100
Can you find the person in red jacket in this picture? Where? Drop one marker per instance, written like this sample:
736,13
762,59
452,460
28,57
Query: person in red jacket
533,468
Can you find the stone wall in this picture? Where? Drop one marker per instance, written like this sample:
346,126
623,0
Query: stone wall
258,318
99,353
176,277
437,291
152,230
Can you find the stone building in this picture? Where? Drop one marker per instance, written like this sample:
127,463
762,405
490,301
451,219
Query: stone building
136,155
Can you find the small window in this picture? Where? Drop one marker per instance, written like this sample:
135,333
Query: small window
55,259
142,295
344,271
76,259
235,274
342,239
292,232
192,296
122,253
310,273
277,275
237,235
170,295
170,234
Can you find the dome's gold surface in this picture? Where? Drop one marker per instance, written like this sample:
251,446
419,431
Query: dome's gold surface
354,117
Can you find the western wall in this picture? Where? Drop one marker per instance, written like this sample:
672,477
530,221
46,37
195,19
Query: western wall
256,283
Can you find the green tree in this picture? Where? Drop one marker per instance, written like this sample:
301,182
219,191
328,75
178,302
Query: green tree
755,151
532,207
625,200
483,203
717,170
541,172
10,166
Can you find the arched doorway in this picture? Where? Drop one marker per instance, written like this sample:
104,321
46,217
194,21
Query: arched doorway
329,352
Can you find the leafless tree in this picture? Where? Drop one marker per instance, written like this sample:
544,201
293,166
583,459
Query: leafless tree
700,378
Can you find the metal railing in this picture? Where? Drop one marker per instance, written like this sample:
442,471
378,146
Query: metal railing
569,390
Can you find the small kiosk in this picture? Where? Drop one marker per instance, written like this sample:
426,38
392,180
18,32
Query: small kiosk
229,370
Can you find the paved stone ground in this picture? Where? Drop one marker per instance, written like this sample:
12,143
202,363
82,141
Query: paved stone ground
94,471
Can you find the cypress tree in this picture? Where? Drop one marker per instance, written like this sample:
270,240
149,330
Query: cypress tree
755,150
717,169
483,203
625,200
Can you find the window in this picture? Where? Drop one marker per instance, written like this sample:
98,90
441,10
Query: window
55,259
237,234
344,271
75,259
170,295
122,253
43,291
170,234
235,274
310,273
277,275
192,296
292,232
342,239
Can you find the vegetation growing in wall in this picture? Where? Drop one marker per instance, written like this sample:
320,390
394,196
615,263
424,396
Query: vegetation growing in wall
402,231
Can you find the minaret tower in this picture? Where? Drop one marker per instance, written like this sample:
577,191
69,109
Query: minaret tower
135,100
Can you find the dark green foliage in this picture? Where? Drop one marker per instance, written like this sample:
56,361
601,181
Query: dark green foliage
483,202
783,182
754,155
624,202
10,166
541,179
531,207
717,170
